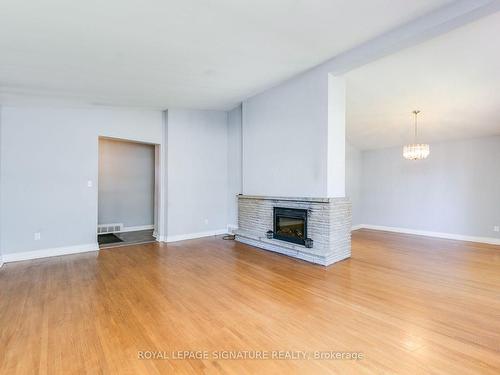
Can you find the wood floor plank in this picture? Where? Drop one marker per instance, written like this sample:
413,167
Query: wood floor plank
410,304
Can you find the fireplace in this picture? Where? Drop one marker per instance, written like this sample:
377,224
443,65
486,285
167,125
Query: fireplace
326,224
290,224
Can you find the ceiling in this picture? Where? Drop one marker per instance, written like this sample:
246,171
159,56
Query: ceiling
185,53
453,79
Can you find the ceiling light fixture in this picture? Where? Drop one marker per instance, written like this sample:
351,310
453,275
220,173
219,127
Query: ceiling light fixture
416,151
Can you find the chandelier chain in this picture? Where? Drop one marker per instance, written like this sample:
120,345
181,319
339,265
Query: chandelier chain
416,112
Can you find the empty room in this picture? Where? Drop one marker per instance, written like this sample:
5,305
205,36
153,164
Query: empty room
266,187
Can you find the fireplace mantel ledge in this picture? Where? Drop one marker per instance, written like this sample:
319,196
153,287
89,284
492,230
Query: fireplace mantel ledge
293,199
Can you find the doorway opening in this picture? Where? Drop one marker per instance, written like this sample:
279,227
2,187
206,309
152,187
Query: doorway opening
126,193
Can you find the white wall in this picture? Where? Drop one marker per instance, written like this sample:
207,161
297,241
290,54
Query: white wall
456,190
197,172
353,164
47,157
234,167
126,183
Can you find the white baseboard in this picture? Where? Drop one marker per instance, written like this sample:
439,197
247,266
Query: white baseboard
136,228
190,236
356,227
53,252
449,236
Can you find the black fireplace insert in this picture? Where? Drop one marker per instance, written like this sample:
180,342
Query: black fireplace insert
290,224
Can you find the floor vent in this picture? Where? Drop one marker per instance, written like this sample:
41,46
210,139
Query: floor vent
109,228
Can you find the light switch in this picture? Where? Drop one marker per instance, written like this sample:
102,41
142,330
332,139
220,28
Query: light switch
89,183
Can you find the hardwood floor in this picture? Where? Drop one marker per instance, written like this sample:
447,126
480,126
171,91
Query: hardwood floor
411,305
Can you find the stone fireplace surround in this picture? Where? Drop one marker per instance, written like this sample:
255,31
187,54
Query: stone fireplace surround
329,226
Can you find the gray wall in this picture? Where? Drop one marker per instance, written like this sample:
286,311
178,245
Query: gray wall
1,257
197,171
48,155
353,181
285,139
456,190
292,116
126,183
234,144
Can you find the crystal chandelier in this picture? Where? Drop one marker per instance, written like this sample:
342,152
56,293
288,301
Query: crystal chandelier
416,151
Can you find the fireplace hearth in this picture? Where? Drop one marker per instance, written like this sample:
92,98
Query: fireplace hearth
290,224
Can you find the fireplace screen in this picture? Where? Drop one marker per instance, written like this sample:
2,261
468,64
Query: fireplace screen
290,224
